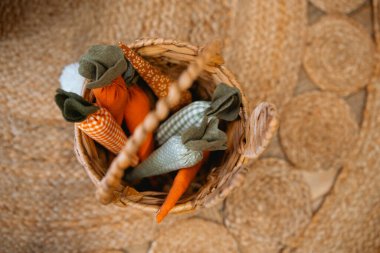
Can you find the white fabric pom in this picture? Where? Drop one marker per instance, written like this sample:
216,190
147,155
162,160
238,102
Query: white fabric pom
71,80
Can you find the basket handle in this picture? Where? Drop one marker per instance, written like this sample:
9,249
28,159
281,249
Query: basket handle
111,181
259,131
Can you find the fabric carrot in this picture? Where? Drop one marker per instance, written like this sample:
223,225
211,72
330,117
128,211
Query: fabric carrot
101,127
156,80
95,122
189,116
113,97
182,151
104,65
225,105
137,107
171,156
180,184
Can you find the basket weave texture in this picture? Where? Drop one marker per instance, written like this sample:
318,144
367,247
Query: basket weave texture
172,57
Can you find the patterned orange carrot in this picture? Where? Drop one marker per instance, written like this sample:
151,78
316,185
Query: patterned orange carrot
180,185
156,80
102,127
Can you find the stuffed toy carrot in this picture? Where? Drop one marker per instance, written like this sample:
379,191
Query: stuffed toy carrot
104,66
113,97
108,71
171,156
101,127
225,105
180,184
95,122
182,151
138,106
189,116
156,80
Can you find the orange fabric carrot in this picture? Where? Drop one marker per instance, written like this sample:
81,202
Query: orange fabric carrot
156,80
180,185
130,103
113,97
138,106
101,127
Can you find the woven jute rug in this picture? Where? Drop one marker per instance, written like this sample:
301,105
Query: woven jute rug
315,190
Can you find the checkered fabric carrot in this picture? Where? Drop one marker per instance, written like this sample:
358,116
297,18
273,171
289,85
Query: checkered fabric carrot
102,127
189,116
156,80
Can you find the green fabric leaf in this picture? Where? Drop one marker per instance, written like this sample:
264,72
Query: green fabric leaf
102,64
226,102
74,108
206,137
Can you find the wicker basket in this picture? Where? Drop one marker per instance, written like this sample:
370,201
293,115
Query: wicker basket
247,137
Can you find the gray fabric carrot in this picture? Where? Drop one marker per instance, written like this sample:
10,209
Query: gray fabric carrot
225,105
182,151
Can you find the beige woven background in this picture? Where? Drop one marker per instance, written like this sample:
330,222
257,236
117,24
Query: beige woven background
317,189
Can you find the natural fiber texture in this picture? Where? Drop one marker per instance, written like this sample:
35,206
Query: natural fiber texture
266,52
277,201
55,211
46,198
339,55
349,219
320,182
376,20
344,6
193,236
303,131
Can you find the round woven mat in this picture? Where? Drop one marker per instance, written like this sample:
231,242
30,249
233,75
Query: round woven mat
266,48
195,235
320,182
303,133
344,6
47,199
349,219
277,201
339,55
50,207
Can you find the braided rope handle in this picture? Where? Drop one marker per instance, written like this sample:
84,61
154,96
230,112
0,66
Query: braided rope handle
112,179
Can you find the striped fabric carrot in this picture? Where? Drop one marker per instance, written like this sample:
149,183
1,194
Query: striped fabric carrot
180,184
156,80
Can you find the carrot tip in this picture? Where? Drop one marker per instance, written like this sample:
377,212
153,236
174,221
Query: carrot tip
160,216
